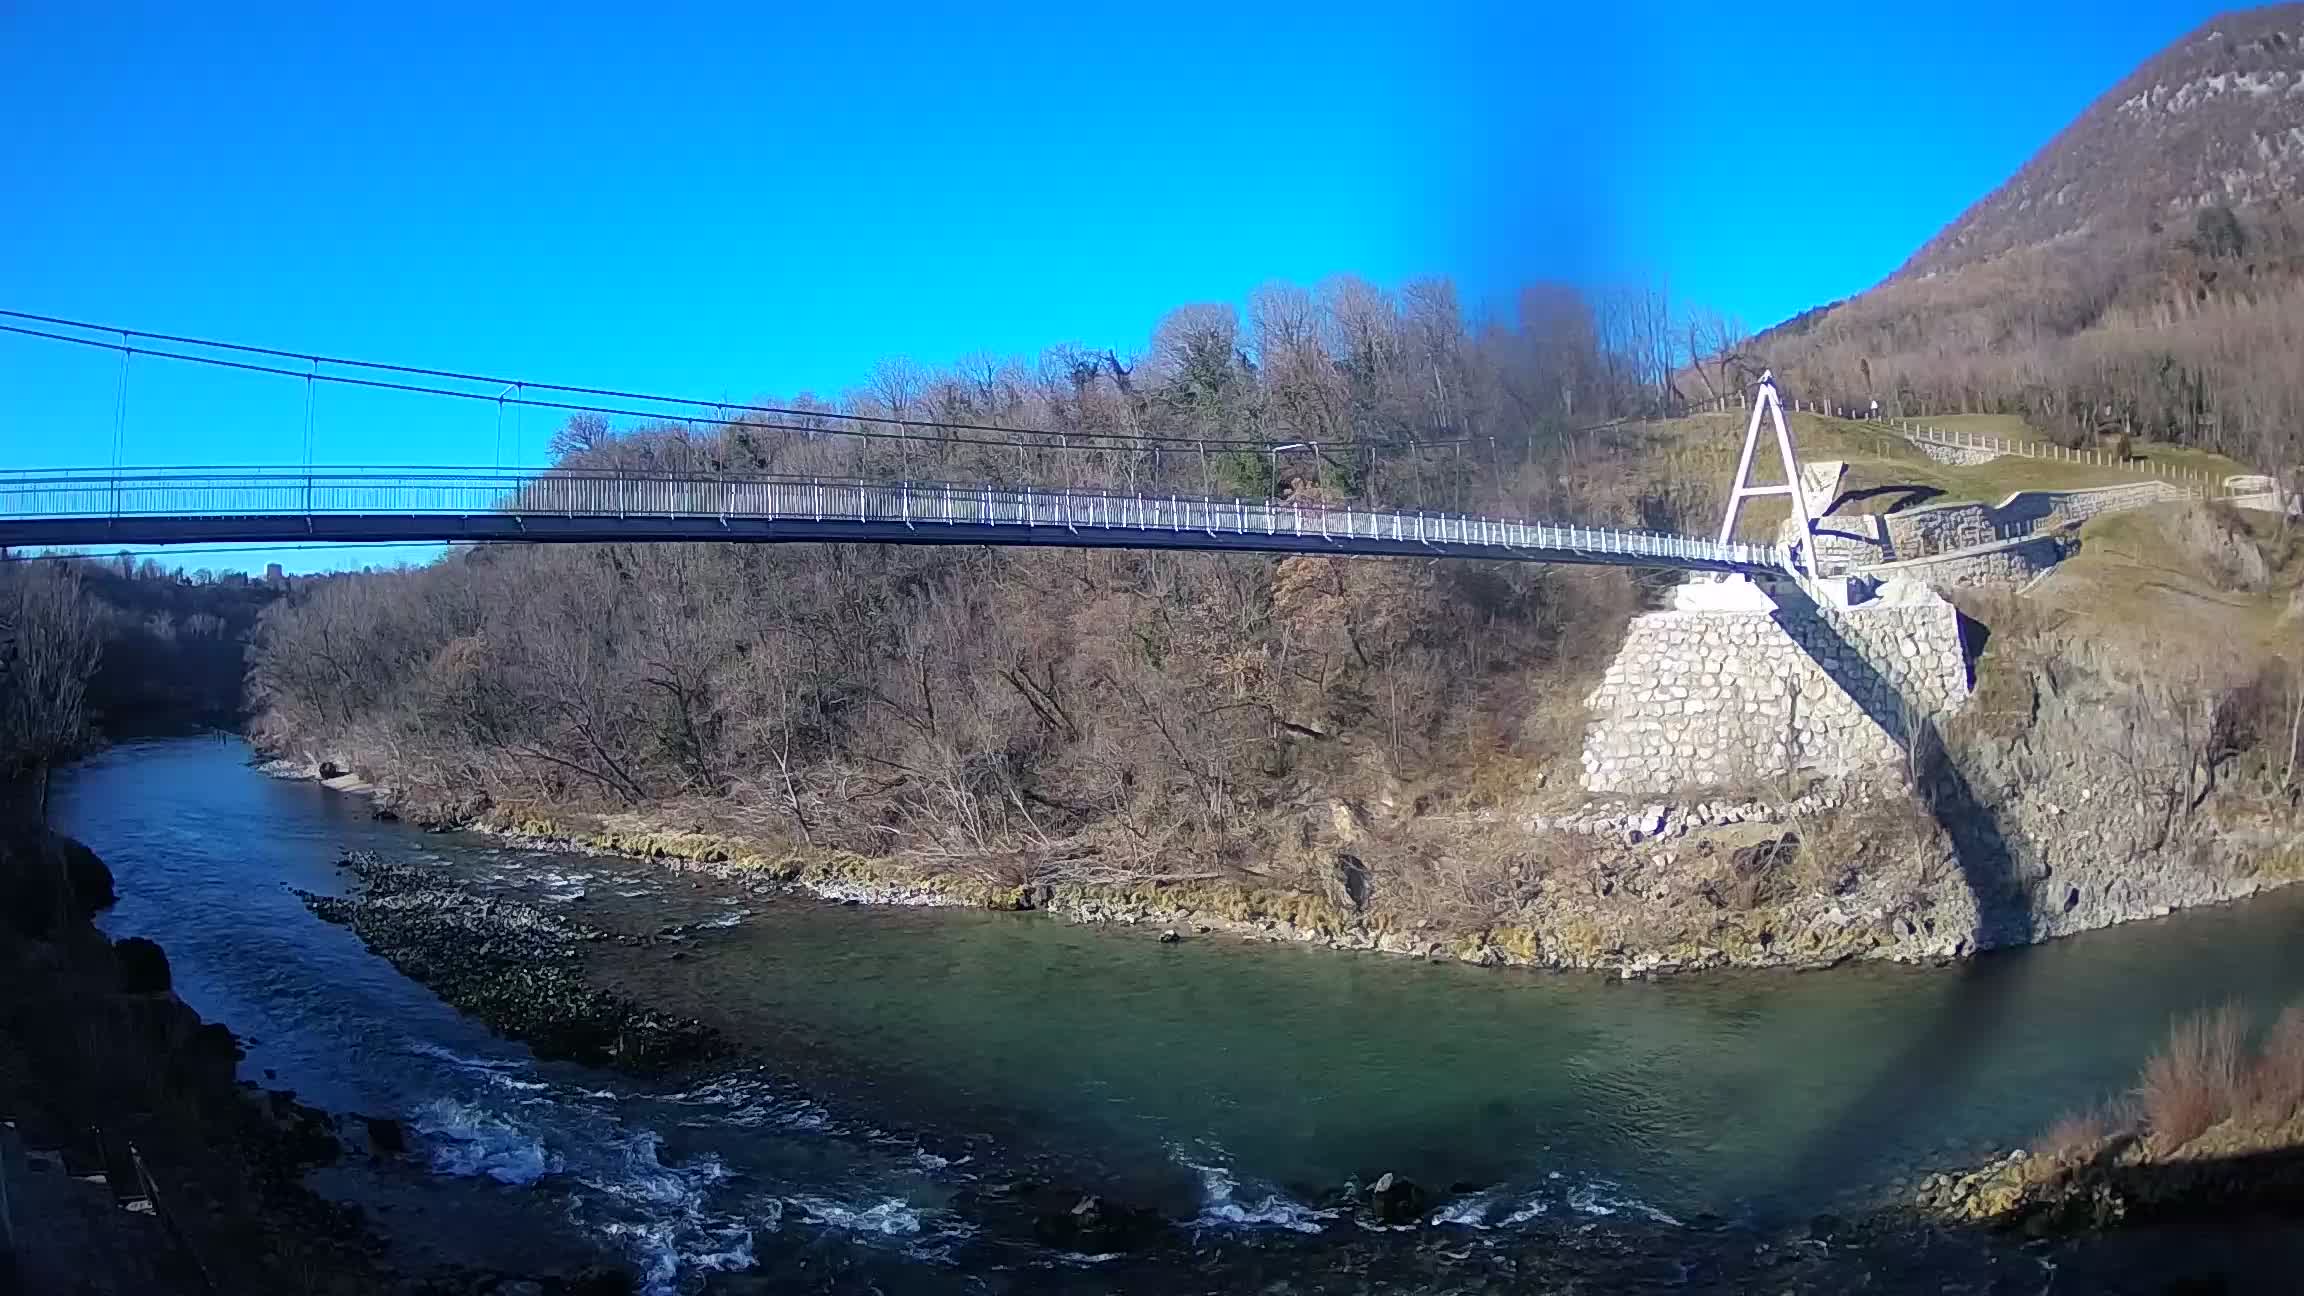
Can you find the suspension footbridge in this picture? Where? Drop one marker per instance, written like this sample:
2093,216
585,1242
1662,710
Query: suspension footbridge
581,502
102,507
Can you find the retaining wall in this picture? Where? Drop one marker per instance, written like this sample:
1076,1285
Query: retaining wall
1844,539
1960,456
1867,539
1941,528
1723,699
2271,501
2010,562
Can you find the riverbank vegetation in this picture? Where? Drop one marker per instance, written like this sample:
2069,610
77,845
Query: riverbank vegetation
2215,1120
95,649
1064,715
49,647
1355,743
174,656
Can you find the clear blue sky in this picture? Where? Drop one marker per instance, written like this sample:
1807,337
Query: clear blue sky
764,199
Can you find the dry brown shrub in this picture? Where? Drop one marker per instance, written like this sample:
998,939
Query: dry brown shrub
2072,1140
2196,1079
1467,883
2204,1074
2276,1082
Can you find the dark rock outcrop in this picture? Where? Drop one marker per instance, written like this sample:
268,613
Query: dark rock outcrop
1097,1225
49,883
143,967
96,1053
386,1136
1395,1199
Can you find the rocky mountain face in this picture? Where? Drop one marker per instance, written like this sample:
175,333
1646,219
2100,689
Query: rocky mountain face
2143,275
2217,119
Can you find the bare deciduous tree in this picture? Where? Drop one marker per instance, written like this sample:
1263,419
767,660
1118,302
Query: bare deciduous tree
49,648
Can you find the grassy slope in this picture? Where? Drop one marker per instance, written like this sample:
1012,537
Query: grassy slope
2140,577
2048,474
1886,472
2135,573
2142,588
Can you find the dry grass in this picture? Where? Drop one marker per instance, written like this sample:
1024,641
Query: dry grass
1892,824
2073,1140
2197,1079
1759,866
2008,427
1706,445
2160,577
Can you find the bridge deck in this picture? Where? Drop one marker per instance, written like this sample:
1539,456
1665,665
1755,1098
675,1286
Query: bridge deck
169,506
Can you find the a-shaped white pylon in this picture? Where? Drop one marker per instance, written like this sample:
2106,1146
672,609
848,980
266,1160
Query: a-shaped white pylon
1742,489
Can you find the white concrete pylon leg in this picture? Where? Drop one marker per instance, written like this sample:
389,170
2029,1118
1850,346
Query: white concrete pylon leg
1767,404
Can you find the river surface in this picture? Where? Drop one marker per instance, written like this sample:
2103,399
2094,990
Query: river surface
910,1066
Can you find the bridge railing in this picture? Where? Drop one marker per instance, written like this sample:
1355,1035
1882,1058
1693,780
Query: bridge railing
275,492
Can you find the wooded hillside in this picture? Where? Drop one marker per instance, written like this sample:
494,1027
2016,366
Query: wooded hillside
1127,713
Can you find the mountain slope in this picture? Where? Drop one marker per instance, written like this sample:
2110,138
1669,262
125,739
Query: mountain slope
2142,275
2217,119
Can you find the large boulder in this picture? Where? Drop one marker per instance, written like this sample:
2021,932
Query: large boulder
87,880
143,966
1395,1199
1096,1225
47,880
386,1136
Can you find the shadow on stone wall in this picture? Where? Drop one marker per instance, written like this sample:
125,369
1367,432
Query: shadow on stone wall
1943,527
1987,864
1906,497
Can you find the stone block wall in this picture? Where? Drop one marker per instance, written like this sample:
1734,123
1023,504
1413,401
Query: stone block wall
2271,501
1722,699
2085,504
2012,562
1843,540
1865,540
1941,528
1957,455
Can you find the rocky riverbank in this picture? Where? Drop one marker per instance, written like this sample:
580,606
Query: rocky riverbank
509,964
2121,1184
2065,798
1661,895
138,1163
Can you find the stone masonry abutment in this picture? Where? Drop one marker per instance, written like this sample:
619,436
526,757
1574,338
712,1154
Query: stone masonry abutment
1730,688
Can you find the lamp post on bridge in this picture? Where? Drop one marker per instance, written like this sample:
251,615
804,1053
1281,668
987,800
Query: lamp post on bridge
1276,451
